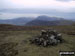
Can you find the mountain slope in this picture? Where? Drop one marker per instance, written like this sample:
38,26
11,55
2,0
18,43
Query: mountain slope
39,21
16,21
48,21
47,18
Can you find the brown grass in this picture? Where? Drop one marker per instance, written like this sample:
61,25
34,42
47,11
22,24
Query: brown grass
21,37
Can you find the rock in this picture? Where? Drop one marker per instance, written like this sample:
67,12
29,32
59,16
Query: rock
47,37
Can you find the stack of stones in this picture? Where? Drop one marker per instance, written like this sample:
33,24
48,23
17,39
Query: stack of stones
47,37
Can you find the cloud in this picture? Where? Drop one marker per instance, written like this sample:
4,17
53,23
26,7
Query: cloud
65,0
38,4
43,6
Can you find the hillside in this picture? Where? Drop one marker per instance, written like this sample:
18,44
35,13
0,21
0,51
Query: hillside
47,18
16,21
67,29
38,21
14,40
48,21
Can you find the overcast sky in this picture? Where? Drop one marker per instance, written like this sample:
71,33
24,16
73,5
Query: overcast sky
62,5
59,5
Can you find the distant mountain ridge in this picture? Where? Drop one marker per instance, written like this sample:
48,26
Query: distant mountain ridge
48,21
16,21
47,18
38,21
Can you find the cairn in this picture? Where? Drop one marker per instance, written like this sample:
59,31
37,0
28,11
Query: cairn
47,37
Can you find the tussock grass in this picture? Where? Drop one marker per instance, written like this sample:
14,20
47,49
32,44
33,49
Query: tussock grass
26,49
21,37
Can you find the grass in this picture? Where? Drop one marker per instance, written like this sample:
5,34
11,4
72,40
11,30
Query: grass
26,49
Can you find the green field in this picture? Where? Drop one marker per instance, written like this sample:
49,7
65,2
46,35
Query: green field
20,42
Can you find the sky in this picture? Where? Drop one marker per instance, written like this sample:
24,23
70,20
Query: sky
66,6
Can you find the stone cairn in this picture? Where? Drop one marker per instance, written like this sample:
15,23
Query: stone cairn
47,37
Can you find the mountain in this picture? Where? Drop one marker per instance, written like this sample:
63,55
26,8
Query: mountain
73,19
47,18
48,21
39,21
16,21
